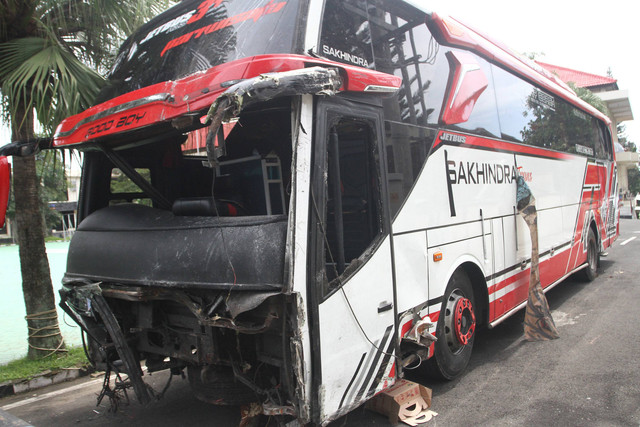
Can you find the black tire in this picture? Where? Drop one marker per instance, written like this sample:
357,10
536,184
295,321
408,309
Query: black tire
217,385
451,354
590,272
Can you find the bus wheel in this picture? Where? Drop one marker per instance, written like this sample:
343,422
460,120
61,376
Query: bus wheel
590,272
455,330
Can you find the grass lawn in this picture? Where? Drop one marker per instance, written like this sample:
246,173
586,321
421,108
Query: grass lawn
27,369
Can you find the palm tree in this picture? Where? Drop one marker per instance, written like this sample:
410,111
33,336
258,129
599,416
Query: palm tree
589,97
52,55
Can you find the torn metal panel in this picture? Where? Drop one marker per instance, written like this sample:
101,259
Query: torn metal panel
314,80
419,333
240,302
131,364
298,362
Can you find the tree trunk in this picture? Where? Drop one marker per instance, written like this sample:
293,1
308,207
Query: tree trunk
42,318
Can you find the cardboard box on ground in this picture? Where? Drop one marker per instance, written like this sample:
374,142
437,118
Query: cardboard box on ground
406,401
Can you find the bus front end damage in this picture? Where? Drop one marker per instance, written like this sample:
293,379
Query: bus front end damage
203,294
199,285
234,346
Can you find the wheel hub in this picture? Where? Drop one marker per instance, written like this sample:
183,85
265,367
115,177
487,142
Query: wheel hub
464,320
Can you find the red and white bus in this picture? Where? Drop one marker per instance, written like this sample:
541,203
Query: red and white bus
296,200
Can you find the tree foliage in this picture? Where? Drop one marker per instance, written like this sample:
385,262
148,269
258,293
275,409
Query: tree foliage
590,98
624,140
50,168
633,175
52,55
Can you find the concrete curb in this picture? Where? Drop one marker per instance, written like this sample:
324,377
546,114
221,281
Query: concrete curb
44,379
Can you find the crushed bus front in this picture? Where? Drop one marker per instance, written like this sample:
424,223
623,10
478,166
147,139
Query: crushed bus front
183,256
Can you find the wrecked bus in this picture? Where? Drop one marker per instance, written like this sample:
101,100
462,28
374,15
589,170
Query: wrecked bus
295,201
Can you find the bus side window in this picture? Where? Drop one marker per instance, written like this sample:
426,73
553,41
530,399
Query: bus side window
603,147
407,148
535,117
353,209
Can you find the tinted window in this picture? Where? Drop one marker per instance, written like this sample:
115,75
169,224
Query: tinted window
345,35
513,97
407,148
353,209
393,38
197,35
535,117
606,150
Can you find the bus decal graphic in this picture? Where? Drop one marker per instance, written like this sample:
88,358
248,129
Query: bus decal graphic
253,14
452,137
383,349
469,172
527,176
450,181
497,145
460,172
344,56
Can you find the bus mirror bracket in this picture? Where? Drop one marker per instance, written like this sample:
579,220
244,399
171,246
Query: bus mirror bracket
26,148
17,149
265,87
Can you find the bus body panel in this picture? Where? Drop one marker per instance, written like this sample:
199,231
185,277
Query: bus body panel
412,267
299,214
357,337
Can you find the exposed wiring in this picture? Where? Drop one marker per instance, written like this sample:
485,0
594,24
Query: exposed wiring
86,350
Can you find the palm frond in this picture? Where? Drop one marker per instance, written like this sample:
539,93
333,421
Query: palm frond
94,29
48,49
39,73
590,98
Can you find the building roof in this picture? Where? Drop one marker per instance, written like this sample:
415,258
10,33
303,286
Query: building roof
580,78
606,88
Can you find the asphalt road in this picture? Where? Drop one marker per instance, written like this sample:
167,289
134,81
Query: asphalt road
588,377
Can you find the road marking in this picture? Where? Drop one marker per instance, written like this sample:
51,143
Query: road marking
51,394
628,240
